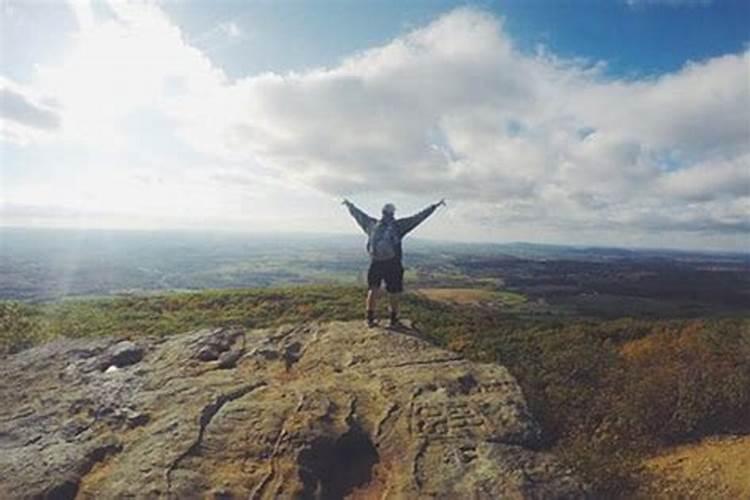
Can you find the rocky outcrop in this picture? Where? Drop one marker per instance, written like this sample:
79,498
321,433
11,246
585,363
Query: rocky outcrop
334,410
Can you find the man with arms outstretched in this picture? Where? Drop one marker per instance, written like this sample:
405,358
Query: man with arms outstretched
384,246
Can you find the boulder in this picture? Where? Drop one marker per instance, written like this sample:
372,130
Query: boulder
340,411
124,353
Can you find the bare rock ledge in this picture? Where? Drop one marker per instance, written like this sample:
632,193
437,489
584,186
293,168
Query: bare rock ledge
325,411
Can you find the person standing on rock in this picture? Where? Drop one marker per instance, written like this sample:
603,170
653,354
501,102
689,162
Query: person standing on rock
384,246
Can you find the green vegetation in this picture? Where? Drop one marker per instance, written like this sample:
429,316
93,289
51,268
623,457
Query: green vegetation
607,392
168,314
21,326
474,296
511,298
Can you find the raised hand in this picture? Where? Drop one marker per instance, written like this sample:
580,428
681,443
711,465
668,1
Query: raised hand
442,202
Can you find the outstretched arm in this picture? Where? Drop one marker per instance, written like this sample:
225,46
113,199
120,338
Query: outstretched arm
364,220
405,225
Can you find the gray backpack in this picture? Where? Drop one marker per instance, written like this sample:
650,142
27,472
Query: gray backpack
383,241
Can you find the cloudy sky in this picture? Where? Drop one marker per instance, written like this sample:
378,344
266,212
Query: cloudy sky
624,122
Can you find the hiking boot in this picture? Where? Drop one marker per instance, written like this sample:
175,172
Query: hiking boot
395,321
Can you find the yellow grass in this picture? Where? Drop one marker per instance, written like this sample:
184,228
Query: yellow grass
714,468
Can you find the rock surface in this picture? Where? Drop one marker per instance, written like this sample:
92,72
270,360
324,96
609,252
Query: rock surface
334,410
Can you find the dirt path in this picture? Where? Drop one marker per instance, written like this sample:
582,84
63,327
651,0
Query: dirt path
715,468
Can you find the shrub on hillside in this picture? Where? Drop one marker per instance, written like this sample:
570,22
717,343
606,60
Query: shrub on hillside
606,393
20,327
686,382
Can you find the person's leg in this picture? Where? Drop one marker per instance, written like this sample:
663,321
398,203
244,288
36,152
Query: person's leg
370,304
372,300
394,303
395,285
374,278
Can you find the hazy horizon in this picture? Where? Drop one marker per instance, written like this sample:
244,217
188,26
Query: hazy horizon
358,238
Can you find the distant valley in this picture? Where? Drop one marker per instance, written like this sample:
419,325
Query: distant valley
39,265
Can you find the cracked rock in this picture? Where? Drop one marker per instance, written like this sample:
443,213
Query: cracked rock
334,410
212,345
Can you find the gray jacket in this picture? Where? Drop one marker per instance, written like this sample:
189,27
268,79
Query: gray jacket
404,226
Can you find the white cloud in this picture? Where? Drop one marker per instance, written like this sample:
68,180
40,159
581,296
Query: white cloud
709,181
221,36
451,109
454,109
83,13
231,29
25,117
134,62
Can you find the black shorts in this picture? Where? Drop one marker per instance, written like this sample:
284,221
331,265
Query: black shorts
389,270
